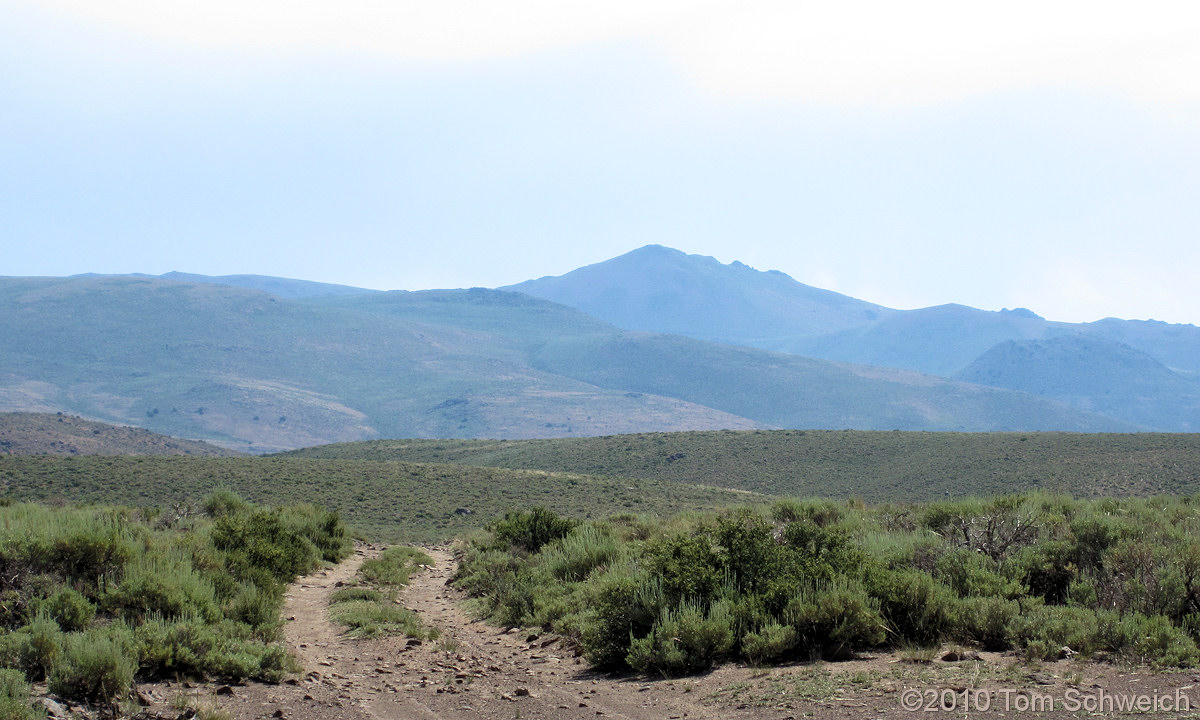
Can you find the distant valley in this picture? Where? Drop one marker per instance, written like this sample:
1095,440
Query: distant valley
655,340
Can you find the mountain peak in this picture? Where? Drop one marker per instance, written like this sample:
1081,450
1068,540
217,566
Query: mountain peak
659,289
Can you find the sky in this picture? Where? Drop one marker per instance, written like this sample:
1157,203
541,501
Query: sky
1020,154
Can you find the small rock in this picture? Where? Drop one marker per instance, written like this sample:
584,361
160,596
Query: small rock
521,692
225,690
278,713
412,642
55,710
1042,678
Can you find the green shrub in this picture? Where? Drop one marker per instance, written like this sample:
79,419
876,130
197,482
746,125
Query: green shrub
259,541
191,647
916,608
1043,631
623,604
973,574
32,649
1047,569
684,641
835,619
166,585
257,607
529,530
15,702
575,555
1149,640
70,609
985,621
96,666
323,528
770,643
222,503
689,565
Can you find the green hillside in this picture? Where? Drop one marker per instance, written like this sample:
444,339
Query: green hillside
875,466
387,501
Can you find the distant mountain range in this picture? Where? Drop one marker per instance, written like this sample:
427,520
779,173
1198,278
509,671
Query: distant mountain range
654,340
1146,373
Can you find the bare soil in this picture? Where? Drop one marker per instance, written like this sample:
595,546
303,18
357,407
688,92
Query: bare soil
475,670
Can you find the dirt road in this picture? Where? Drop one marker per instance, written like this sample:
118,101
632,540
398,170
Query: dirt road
472,670
478,671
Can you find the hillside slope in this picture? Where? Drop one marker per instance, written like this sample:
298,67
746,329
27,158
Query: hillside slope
256,372
874,466
58,434
1094,373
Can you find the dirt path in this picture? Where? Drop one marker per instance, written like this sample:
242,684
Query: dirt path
472,670
475,670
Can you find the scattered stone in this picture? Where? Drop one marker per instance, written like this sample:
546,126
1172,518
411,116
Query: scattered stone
532,637
413,642
1042,678
54,709
960,656
1066,653
278,713
225,690
521,692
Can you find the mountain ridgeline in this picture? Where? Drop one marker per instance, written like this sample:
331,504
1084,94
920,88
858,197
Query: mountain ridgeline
655,340
1144,373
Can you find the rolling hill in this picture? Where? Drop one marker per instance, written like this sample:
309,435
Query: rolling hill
1100,374
257,372
873,466
59,434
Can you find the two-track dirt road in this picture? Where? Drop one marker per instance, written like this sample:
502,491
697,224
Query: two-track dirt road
475,671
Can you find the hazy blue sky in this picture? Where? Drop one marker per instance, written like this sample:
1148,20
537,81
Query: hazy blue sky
1032,154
